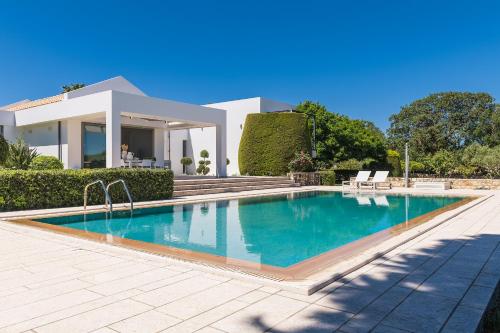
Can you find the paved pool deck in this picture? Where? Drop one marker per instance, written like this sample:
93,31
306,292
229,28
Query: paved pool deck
440,281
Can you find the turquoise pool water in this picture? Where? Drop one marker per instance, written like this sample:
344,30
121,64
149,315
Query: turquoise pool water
279,230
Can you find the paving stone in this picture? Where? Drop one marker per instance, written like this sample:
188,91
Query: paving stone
147,322
478,297
348,299
313,319
445,284
260,316
97,318
421,312
463,320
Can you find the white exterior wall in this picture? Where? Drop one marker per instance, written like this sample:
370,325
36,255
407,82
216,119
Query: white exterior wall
176,138
236,114
43,138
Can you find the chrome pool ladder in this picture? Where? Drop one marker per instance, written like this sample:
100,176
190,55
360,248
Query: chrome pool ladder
107,199
125,187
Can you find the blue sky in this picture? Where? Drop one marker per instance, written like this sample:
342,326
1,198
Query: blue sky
364,59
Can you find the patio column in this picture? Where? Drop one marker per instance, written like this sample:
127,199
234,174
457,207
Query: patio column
113,138
221,149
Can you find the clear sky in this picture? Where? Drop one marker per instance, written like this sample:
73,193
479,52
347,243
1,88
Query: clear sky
360,58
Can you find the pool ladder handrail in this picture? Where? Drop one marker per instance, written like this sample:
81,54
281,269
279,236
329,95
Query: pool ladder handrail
125,187
107,199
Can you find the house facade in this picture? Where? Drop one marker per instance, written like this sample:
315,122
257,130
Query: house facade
86,127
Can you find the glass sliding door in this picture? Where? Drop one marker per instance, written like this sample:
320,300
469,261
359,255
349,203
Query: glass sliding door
94,145
139,141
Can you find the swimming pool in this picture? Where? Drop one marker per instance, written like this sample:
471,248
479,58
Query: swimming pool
278,230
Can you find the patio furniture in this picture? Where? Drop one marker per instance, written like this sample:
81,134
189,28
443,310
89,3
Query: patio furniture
361,177
433,185
146,163
378,179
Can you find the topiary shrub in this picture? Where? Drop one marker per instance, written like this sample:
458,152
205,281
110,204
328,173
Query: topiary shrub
186,162
203,168
46,163
302,162
269,142
394,162
38,189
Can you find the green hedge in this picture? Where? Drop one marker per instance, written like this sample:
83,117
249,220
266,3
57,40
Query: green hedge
33,189
269,142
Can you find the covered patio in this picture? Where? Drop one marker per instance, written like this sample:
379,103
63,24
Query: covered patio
95,126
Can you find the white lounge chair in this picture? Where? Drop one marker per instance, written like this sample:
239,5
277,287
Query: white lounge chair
361,177
378,179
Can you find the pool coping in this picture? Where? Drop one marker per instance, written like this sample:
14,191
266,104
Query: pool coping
320,270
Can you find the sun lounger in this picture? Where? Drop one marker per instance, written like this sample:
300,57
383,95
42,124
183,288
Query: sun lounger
380,178
361,177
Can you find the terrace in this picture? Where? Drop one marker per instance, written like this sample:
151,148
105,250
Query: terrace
438,278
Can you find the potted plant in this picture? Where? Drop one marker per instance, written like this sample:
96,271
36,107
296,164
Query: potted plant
186,161
124,151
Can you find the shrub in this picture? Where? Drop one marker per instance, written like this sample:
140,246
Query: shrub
203,168
414,166
350,164
328,177
443,163
38,189
394,162
4,150
269,142
302,162
484,159
186,161
227,161
46,163
20,155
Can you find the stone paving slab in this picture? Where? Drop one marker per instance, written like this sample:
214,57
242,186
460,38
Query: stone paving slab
440,281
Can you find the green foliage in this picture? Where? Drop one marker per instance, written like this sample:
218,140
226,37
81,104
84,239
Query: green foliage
394,163
20,155
444,163
414,166
72,86
4,150
227,161
350,164
33,189
186,161
445,121
302,162
46,163
328,177
270,141
482,159
340,138
203,168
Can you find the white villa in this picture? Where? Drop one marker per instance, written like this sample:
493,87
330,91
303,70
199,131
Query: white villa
85,128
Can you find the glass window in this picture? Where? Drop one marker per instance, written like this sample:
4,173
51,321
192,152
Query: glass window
139,141
94,146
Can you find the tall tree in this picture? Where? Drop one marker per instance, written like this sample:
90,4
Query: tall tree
445,121
340,138
72,86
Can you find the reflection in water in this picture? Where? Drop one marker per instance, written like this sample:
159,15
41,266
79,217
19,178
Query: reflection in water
275,230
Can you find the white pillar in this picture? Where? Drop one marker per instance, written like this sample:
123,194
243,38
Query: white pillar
221,149
113,138
159,145
72,153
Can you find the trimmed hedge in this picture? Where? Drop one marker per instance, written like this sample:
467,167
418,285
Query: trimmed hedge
32,189
269,142
46,163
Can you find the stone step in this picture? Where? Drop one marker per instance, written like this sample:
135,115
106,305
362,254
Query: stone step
214,190
226,180
202,185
